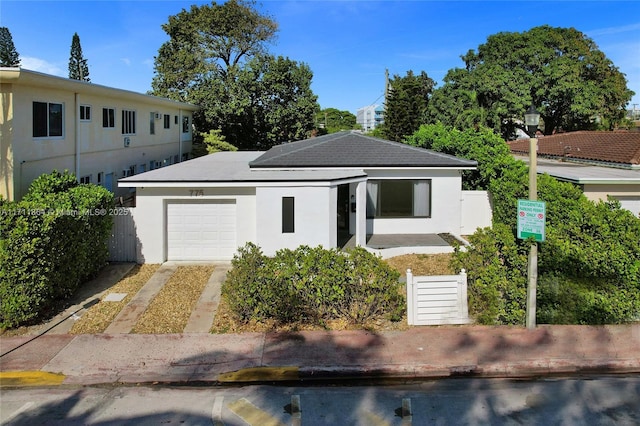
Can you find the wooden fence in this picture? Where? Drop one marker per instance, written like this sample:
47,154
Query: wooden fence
123,240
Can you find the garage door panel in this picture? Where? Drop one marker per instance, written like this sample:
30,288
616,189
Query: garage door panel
630,203
201,231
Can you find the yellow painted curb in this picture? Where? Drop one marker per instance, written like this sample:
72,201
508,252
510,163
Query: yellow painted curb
30,378
260,374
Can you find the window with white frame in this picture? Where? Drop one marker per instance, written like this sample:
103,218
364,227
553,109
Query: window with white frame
108,117
128,122
47,119
85,112
85,179
398,198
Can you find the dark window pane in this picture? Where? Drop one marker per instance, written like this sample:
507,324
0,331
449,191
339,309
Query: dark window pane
85,112
396,198
108,117
288,216
40,115
399,198
55,119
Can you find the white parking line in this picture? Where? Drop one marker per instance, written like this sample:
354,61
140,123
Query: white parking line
19,411
216,411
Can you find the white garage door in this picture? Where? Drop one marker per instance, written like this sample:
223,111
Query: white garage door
201,231
630,203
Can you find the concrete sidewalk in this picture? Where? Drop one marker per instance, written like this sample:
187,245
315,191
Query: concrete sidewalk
418,353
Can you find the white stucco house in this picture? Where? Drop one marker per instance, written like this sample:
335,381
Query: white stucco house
320,191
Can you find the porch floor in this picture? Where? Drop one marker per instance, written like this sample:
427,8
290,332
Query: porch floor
385,241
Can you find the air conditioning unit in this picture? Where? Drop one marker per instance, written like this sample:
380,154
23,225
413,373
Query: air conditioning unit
127,141
158,116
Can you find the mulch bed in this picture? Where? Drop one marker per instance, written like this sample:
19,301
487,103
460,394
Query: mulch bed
98,317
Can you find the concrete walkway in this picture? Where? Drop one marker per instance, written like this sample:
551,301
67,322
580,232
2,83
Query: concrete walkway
417,353
129,315
203,314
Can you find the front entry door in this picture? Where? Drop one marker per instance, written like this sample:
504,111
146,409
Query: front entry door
343,214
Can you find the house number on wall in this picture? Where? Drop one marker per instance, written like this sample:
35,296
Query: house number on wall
196,192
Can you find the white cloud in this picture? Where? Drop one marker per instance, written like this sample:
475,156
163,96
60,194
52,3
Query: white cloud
615,30
40,65
126,61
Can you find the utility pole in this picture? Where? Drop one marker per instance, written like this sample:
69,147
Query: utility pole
386,85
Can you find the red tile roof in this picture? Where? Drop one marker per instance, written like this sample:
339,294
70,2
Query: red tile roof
610,147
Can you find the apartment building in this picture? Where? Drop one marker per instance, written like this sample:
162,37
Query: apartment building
99,133
370,117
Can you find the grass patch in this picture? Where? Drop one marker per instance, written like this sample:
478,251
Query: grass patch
170,310
422,264
98,317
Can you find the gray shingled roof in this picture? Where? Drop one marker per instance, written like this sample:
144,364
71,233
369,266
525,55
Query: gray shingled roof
354,150
224,167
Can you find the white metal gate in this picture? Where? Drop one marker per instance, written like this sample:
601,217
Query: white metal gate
437,300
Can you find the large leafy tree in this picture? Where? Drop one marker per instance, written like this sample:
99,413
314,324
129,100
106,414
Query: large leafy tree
263,103
78,68
559,70
406,104
8,55
331,120
207,42
217,58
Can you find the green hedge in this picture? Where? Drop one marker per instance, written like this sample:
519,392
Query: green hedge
312,285
589,265
50,242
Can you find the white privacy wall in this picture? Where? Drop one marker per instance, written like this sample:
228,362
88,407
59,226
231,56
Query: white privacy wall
446,195
314,213
151,215
476,211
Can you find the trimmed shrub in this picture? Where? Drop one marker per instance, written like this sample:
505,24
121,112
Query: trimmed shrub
496,268
50,242
312,285
564,300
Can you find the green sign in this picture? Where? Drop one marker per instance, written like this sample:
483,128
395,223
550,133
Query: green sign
531,219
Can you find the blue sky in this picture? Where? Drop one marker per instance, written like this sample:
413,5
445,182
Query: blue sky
347,44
